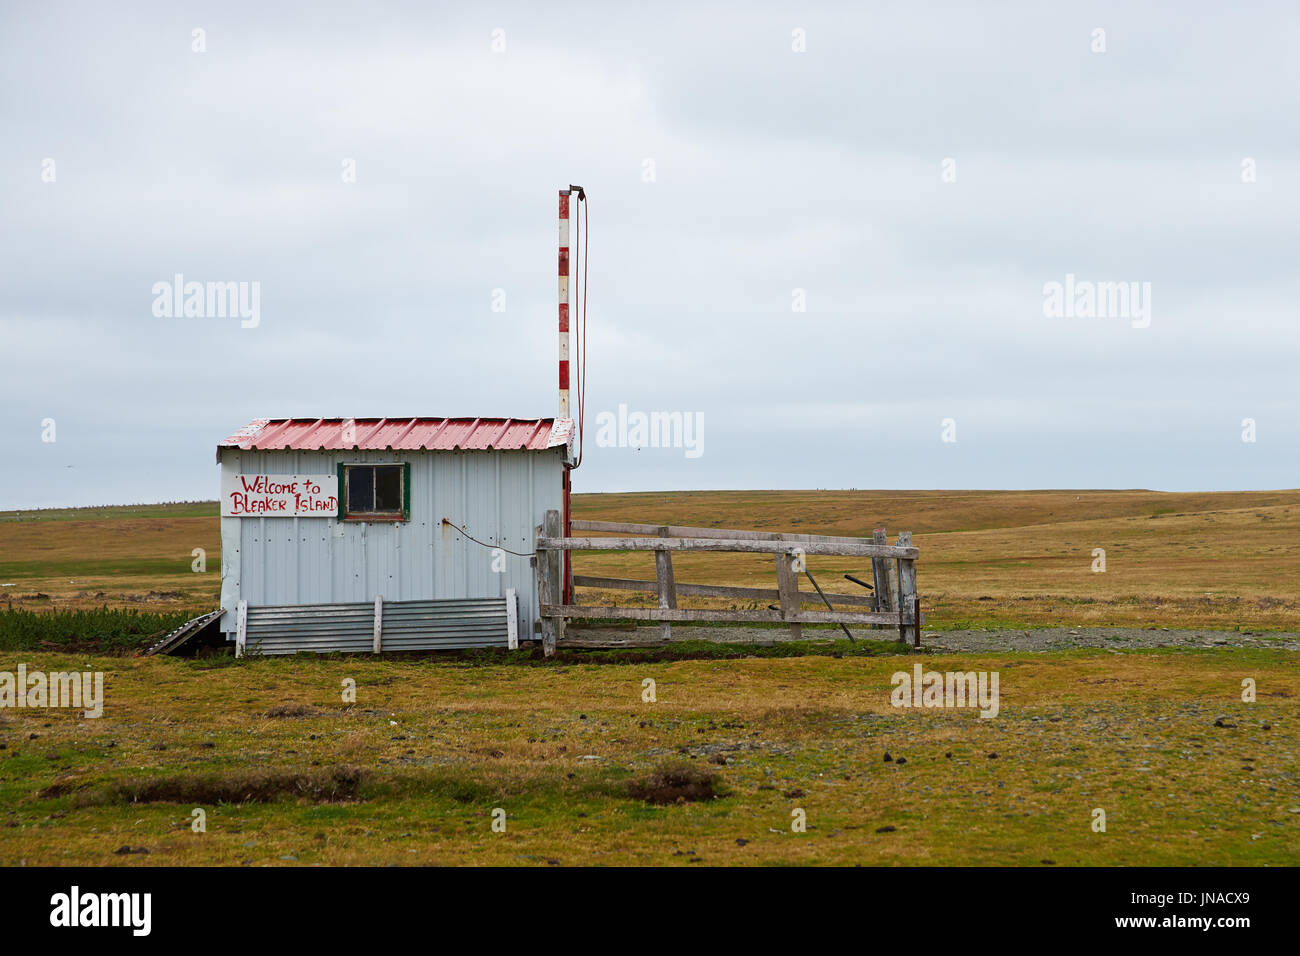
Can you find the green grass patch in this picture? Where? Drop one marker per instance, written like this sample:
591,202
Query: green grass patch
98,630
83,568
584,771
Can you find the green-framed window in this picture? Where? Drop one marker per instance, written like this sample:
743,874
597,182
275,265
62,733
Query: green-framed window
375,491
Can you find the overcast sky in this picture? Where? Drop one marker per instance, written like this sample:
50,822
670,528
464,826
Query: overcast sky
912,175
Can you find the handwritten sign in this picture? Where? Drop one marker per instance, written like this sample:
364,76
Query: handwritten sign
279,496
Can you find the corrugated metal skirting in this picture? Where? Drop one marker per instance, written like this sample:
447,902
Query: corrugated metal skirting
404,626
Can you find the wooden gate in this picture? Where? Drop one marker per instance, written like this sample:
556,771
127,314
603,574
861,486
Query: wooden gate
893,603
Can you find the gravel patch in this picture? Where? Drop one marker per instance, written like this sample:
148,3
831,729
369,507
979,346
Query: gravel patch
1064,638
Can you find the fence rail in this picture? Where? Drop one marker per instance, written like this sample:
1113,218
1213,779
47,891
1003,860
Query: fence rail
893,603
711,590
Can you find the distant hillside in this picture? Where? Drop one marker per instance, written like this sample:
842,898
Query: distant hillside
172,509
988,558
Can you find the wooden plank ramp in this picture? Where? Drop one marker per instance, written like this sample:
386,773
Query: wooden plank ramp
182,635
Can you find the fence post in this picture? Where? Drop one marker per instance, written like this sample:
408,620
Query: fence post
665,585
379,623
907,602
880,576
787,585
542,569
549,566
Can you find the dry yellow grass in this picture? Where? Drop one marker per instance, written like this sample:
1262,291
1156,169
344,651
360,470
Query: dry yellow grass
1223,560
119,561
989,558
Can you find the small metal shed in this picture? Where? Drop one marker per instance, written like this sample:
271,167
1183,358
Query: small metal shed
386,533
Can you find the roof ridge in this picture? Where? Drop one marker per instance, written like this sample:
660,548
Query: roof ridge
446,434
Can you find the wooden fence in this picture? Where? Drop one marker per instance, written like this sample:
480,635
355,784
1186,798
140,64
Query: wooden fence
893,603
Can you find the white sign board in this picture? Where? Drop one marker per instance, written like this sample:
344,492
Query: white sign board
279,496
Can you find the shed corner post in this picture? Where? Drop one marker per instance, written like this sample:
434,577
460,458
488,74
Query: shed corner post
241,635
512,619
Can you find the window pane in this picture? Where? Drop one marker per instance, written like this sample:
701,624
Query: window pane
361,489
388,488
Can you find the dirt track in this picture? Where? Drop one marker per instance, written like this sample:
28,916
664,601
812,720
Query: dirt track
1043,639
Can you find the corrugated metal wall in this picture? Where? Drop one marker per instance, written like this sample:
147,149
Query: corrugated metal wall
406,626
498,496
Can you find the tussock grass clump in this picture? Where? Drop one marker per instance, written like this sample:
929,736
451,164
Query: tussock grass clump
333,785
678,782
293,710
340,784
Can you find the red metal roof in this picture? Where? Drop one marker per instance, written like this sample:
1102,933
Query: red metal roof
402,434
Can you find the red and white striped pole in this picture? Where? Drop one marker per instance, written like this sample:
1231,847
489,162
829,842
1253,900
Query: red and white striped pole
564,303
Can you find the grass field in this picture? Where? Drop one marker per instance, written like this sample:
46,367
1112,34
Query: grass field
412,771
988,558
